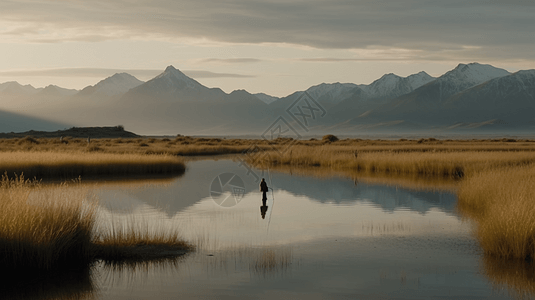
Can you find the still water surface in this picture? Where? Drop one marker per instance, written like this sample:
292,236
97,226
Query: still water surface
318,238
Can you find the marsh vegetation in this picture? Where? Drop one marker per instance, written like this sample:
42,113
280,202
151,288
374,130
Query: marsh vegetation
53,227
493,179
496,187
70,165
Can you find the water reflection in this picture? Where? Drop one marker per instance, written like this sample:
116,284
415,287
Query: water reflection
270,262
327,236
61,285
517,276
194,187
263,209
343,191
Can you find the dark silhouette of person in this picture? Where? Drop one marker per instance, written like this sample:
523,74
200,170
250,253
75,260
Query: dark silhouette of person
264,189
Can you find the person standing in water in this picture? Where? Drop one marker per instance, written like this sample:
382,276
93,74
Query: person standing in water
264,189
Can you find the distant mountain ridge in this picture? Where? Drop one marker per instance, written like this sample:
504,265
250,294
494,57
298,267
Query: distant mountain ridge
117,84
390,85
469,94
173,84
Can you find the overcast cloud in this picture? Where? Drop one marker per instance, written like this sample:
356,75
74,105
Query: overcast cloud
433,29
102,72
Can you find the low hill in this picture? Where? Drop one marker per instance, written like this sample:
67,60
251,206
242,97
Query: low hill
76,132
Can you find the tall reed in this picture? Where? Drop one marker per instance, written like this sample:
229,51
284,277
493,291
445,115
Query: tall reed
72,165
46,228
439,164
502,201
136,240
43,228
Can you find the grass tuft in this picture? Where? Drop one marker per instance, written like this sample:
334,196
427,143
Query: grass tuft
43,229
503,204
135,241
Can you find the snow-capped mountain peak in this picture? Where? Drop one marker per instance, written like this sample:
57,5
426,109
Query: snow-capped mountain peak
462,77
174,78
419,79
391,85
330,92
474,73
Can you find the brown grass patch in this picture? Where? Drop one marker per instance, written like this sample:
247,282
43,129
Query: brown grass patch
46,228
502,202
72,165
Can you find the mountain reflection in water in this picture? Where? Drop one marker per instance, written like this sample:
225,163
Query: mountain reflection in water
193,187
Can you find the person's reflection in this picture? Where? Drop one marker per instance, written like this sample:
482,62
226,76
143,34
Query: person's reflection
263,209
264,189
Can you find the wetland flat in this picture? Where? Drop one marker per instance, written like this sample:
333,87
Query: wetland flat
316,237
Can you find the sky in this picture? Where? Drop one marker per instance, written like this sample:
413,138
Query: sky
272,46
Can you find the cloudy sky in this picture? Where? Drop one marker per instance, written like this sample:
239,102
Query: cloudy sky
271,46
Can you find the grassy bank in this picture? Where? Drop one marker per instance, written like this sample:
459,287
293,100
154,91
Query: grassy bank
498,205
497,189
413,181
72,165
188,146
42,229
50,228
436,164
502,201
135,241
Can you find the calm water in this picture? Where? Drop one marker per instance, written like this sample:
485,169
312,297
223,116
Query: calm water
316,238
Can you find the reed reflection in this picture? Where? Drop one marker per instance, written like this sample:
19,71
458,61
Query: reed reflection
271,262
61,285
517,276
263,261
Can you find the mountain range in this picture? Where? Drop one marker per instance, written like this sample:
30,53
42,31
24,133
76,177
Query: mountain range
471,97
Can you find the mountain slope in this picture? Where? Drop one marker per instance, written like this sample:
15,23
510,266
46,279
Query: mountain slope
173,85
470,95
390,86
266,98
114,85
454,81
13,88
423,105
510,98
174,100
56,91
14,122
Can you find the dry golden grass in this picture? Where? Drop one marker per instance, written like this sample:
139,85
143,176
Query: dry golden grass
188,146
437,164
44,228
72,165
424,158
502,202
136,241
408,181
497,190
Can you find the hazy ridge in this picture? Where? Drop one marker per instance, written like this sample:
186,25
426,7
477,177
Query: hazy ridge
469,97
